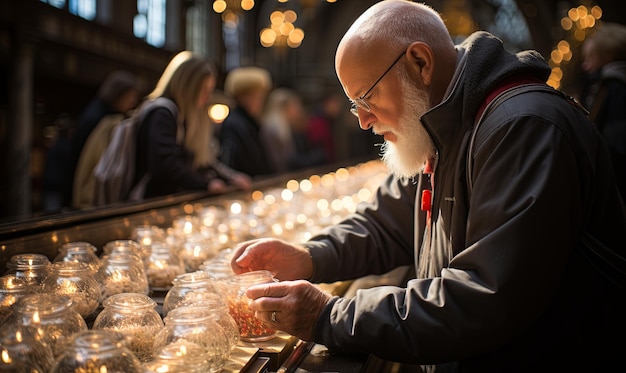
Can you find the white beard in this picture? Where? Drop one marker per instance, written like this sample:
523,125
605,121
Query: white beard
407,156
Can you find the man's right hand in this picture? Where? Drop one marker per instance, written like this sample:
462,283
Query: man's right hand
284,260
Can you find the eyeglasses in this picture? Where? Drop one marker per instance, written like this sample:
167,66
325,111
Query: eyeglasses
360,101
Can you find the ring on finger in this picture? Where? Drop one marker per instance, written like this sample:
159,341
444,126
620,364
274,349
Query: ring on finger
273,317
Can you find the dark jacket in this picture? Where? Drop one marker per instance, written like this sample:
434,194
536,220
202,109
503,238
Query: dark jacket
241,146
606,100
168,163
501,283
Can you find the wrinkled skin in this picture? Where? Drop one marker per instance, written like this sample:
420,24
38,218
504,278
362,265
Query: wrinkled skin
297,303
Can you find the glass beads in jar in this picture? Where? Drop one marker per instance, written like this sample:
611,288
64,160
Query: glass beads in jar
163,266
22,350
53,317
133,315
126,246
97,351
178,357
79,251
75,281
12,289
196,325
121,272
193,285
33,268
251,329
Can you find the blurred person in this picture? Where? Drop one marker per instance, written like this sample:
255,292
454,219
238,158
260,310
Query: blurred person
56,175
118,94
240,139
512,228
604,61
320,127
180,153
283,135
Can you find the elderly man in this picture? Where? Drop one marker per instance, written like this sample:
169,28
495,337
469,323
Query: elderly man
501,222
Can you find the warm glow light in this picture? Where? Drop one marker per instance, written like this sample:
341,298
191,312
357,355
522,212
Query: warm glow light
286,195
247,4
5,357
218,112
219,6
292,185
236,208
290,16
277,17
306,185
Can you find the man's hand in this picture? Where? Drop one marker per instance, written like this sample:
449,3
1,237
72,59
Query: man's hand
290,306
285,261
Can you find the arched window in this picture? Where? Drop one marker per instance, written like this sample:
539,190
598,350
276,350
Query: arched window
149,23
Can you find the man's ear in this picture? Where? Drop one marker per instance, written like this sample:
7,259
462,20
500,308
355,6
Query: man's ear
420,55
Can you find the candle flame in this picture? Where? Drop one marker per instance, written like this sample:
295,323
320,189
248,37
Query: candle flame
36,318
5,357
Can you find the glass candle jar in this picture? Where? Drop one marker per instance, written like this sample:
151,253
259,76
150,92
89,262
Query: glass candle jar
126,246
133,315
196,325
22,350
178,357
33,268
191,285
79,251
219,312
163,266
53,317
12,289
76,281
196,249
121,273
251,329
97,351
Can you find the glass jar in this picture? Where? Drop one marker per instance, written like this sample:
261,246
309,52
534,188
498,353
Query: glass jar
53,317
196,325
133,315
163,266
34,268
187,285
251,329
82,252
219,270
76,281
22,350
121,273
219,312
178,357
196,249
126,246
97,351
12,289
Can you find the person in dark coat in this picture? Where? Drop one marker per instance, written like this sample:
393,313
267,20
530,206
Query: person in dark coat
604,60
240,133
118,94
512,229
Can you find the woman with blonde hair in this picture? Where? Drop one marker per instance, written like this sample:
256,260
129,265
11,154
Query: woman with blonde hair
180,152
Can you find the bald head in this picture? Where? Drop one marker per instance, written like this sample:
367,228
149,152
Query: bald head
386,29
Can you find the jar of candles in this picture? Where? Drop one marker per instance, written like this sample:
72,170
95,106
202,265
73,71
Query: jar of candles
146,235
135,316
196,325
163,266
33,268
192,285
82,252
121,273
75,281
196,249
219,312
251,329
23,350
12,289
97,351
126,246
178,357
53,317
